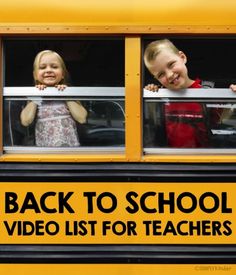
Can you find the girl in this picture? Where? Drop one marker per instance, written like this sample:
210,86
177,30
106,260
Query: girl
55,120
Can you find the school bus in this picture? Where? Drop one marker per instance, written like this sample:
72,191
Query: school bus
124,200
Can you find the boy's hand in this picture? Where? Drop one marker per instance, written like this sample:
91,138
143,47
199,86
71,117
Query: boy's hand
152,87
233,87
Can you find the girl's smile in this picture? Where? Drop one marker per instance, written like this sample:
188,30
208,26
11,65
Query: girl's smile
49,72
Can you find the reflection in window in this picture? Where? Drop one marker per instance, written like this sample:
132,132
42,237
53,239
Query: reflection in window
104,126
189,124
223,133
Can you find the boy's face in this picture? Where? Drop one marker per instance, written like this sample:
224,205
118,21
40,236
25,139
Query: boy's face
170,70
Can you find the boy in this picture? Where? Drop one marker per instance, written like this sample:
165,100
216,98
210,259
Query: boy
185,123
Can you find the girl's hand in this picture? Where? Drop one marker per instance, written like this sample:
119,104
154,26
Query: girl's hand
152,87
41,86
233,87
60,87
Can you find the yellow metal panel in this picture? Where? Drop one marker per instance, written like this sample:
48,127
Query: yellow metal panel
117,269
133,12
133,153
133,95
130,213
1,99
190,158
62,157
64,28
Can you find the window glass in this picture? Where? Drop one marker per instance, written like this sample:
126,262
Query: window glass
190,123
104,125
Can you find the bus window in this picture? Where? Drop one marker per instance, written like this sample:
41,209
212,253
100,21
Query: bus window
194,119
96,70
104,125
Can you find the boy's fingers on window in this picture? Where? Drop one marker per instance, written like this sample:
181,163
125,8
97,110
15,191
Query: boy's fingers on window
152,87
233,87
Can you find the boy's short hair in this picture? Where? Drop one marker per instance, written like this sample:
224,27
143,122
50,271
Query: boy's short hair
154,48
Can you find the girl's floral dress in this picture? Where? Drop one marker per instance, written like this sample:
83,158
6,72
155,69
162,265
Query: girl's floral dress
54,126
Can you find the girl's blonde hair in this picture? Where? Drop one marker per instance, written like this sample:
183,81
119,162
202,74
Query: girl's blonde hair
37,59
154,48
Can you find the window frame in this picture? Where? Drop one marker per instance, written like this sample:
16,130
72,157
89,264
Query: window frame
132,74
134,151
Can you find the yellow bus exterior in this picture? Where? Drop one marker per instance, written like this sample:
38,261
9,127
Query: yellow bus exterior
118,17
94,212
132,20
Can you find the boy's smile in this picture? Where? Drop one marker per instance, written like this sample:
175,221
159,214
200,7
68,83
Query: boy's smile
170,70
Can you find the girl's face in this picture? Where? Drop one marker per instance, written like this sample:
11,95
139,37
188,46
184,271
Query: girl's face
170,70
49,71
